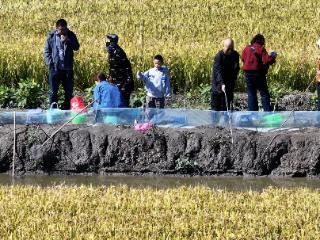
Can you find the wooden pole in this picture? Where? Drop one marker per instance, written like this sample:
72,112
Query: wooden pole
141,44
14,143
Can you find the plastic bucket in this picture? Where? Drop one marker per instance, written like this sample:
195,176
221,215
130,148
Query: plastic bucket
80,119
112,120
54,115
273,120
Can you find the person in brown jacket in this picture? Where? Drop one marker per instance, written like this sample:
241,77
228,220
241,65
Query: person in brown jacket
318,76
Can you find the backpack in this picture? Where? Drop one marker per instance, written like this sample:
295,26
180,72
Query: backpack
253,57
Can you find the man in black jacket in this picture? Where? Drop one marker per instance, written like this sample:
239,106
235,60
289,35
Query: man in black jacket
224,75
119,68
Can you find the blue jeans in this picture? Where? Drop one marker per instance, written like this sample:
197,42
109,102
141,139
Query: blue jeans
66,79
254,82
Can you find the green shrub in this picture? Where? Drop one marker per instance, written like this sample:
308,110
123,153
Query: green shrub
6,97
29,94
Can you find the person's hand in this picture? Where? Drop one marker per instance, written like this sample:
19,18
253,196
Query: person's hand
138,74
223,88
274,54
64,38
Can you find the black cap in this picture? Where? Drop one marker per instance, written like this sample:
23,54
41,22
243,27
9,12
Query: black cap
113,38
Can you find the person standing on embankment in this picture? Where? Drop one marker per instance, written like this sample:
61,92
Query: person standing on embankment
256,63
119,68
157,83
224,76
318,77
58,55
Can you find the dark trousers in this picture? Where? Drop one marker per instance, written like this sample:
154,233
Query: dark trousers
318,92
66,79
218,101
125,99
257,82
153,102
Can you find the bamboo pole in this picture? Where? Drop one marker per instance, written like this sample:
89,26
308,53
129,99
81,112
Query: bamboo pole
62,126
14,143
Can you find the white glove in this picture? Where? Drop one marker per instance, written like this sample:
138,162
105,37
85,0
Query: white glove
223,88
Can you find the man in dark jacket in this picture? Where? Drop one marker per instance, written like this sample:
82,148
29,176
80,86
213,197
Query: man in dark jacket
119,68
58,54
224,75
256,63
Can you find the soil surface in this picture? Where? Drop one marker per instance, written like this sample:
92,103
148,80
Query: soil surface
102,149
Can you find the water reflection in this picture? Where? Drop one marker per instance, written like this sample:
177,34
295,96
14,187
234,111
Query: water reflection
229,183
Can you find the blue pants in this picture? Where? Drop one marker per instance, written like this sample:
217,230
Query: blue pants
254,82
66,79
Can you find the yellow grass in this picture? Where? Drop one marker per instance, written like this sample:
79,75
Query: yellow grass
182,213
187,32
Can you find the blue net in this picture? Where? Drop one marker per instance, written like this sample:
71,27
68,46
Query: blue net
173,118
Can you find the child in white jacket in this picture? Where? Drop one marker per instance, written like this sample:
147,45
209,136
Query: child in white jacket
157,83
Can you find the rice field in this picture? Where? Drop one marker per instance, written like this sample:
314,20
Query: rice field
187,32
84,212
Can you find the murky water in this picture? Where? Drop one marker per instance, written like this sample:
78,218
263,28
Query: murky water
229,183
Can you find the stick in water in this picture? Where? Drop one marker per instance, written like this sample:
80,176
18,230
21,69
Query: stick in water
14,143
229,115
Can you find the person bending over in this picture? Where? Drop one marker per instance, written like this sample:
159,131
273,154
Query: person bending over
105,94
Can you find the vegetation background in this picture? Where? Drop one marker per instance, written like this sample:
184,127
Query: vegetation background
187,32
63,212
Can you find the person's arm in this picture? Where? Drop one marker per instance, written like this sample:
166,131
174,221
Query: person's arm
96,97
118,98
48,52
217,68
266,58
237,64
144,76
166,83
244,55
72,41
236,69
318,70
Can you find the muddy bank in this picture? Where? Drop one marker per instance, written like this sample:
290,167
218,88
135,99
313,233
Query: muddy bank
201,151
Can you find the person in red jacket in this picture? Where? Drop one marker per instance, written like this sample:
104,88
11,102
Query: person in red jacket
256,63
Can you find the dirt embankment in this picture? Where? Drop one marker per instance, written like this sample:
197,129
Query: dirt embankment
200,151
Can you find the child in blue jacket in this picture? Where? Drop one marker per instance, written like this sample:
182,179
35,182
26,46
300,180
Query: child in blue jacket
105,94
